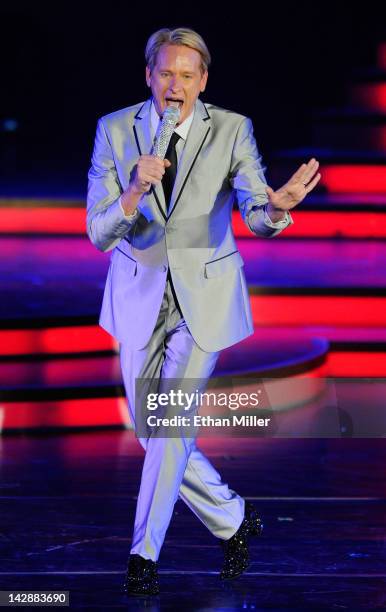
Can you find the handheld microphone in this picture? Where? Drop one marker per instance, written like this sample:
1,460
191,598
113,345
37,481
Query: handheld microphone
169,121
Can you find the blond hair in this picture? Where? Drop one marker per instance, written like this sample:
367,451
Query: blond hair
178,36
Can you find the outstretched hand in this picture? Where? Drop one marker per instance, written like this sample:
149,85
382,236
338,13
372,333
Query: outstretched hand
296,189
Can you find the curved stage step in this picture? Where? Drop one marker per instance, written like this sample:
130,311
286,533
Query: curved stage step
87,390
99,375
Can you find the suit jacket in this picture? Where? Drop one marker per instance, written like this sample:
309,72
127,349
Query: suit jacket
219,163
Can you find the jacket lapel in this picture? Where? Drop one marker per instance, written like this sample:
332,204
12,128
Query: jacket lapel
198,133
144,140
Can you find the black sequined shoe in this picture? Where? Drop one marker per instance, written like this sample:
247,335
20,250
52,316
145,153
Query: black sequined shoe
141,577
236,554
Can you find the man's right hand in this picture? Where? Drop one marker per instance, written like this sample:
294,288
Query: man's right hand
149,171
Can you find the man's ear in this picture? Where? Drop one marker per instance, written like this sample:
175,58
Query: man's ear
148,76
204,80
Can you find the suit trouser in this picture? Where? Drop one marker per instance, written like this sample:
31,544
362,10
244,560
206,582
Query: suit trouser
174,466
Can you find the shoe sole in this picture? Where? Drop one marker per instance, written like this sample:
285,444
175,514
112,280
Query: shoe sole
133,593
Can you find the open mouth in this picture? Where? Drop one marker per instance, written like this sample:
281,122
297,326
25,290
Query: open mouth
176,102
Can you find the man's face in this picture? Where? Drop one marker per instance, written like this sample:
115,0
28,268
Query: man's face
176,79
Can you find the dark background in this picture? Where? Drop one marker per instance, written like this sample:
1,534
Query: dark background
65,64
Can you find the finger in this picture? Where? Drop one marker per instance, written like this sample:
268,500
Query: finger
306,171
167,163
269,191
145,185
152,160
142,185
314,182
155,172
152,164
151,177
309,172
160,162
154,180
157,160
299,173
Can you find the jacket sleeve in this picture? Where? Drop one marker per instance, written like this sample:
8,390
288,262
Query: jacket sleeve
106,221
248,180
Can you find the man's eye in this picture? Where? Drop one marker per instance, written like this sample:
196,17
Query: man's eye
187,76
164,74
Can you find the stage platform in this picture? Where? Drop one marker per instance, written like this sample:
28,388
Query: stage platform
322,504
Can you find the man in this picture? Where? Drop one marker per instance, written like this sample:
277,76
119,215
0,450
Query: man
176,293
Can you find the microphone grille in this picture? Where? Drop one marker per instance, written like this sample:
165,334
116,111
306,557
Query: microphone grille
165,131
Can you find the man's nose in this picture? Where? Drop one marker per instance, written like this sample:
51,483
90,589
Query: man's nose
176,84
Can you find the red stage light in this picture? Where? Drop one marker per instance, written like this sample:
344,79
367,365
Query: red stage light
43,220
74,339
307,223
353,178
64,413
318,224
356,364
371,96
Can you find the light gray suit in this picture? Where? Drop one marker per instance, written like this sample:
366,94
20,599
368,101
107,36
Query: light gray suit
220,161
195,242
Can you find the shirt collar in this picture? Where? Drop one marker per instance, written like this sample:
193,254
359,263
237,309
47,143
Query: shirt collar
182,130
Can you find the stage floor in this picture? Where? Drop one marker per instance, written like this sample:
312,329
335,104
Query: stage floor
68,505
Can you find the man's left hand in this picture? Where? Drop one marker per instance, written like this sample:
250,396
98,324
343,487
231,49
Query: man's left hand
296,189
